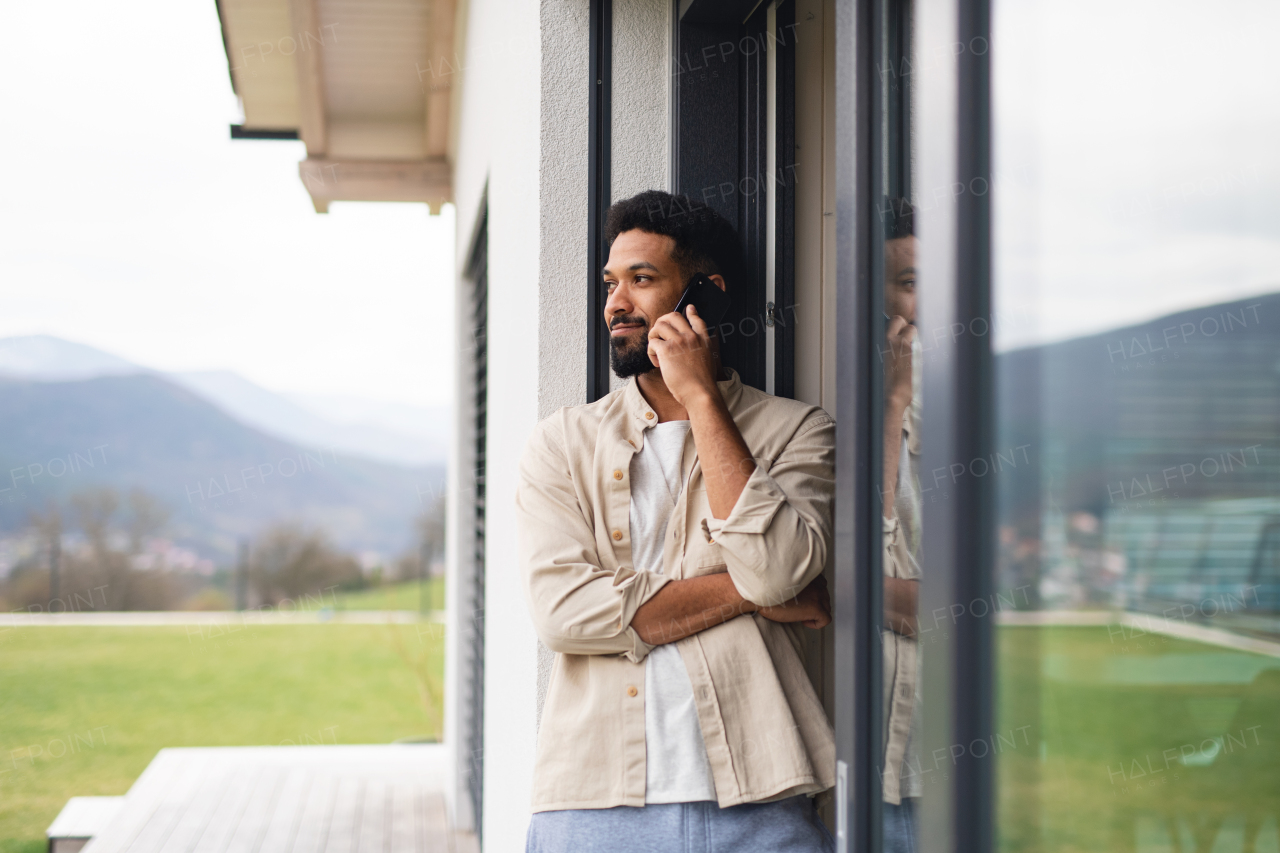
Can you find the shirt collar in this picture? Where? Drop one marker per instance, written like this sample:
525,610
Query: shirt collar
642,416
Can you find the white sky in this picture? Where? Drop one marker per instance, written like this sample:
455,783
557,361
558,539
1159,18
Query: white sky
1137,159
131,222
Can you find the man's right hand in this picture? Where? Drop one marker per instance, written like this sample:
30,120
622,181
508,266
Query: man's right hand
811,608
897,364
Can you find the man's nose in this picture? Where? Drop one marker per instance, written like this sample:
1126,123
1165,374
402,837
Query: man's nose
619,302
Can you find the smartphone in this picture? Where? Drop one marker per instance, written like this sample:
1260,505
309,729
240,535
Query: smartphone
711,303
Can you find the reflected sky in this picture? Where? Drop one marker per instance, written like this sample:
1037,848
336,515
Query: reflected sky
1136,167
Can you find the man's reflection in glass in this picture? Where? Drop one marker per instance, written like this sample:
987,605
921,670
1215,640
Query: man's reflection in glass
901,503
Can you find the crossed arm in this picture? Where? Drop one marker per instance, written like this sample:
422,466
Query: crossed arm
685,607
900,594
580,607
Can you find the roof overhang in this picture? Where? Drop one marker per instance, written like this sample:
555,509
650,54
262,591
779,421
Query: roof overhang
359,84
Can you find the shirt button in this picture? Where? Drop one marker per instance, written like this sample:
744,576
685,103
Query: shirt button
648,416
631,690
617,474
617,536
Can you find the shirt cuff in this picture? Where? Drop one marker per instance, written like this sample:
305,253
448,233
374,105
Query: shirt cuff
643,586
753,513
639,648
890,530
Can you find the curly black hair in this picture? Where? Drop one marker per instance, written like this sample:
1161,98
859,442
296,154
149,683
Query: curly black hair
901,218
705,241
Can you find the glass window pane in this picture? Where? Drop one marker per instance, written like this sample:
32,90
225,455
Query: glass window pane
1137,308
893,265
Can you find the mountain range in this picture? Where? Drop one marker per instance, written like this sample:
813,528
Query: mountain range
389,432
225,456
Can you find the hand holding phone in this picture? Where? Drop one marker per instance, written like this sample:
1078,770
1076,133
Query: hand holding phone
711,302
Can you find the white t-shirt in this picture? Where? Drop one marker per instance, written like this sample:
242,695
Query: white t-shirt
677,769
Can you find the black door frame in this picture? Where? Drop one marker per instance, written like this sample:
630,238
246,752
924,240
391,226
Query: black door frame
958,545
719,157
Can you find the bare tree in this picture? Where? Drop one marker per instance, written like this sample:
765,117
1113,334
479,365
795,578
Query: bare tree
48,529
101,575
95,510
291,563
431,535
146,518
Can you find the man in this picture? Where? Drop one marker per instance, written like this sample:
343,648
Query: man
902,776
673,536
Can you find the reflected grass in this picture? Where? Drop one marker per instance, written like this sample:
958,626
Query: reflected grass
1144,737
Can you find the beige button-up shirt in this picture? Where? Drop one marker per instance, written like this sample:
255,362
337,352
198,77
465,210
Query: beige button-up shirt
764,727
902,774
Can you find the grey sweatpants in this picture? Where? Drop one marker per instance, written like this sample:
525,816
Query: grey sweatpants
787,826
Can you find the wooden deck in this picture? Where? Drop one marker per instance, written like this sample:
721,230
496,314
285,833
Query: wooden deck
284,799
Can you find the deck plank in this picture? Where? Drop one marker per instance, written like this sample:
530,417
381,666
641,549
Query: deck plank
246,835
231,811
322,799
373,818
343,823
317,812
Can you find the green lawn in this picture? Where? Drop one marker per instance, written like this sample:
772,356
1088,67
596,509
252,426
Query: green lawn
84,710
1109,717
397,596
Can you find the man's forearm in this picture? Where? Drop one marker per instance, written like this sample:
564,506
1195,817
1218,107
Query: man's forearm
683,608
900,597
892,456
725,458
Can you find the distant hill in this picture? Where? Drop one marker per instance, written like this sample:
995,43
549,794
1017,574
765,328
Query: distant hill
49,358
419,437
1098,413
389,432
220,478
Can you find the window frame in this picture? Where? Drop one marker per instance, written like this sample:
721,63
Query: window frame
952,106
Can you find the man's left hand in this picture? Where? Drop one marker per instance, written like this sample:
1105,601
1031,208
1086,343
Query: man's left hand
681,349
811,608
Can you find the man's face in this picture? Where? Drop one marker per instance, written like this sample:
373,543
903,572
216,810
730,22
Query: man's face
900,278
644,283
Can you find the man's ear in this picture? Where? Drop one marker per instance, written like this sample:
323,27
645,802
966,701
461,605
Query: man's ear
718,279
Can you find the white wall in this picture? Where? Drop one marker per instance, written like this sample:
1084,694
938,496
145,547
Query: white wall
497,145
522,132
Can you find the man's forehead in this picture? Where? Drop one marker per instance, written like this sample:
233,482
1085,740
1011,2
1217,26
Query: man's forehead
639,250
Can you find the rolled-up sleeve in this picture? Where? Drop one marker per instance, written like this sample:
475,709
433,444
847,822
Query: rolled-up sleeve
777,537
578,607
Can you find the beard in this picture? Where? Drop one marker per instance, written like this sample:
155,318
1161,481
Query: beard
629,356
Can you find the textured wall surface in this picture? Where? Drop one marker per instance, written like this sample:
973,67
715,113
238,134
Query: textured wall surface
641,96
562,205
562,202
